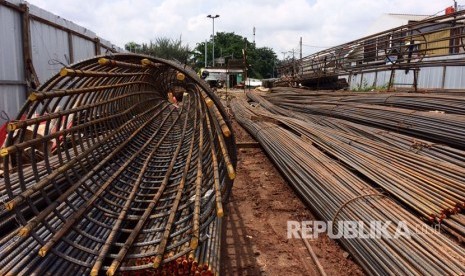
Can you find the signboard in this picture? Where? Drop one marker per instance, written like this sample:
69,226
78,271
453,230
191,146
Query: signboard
220,60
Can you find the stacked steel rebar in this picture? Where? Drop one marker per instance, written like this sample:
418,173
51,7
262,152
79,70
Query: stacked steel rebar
452,103
437,126
340,169
432,175
117,164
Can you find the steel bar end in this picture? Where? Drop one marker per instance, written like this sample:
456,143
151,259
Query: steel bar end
231,172
220,212
33,97
146,62
157,261
24,232
12,126
43,251
103,61
112,269
94,272
64,72
209,102
194,243
225,130
10,205
180,76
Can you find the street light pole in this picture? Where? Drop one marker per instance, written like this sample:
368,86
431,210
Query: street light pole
205,53
213,36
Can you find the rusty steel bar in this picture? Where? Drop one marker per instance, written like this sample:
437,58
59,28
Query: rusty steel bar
104,173
426,176
434,187
431,102
444,128
338,174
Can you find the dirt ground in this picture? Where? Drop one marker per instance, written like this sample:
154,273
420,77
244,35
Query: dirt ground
255,238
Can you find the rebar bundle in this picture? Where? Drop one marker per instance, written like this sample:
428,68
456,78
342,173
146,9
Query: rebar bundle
117,164
439,103
433,126
431,183
349,171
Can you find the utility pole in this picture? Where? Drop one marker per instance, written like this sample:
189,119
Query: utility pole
254,35
205,53
244,55
213,37
300,47
293,61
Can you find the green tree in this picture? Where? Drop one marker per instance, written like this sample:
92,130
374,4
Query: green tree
163,47
260,61
133,47
228,45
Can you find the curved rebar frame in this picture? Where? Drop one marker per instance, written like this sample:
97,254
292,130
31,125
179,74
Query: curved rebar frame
104,171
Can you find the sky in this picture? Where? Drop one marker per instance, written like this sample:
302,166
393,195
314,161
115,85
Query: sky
279,24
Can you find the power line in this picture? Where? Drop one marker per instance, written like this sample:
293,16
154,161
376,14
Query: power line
314,46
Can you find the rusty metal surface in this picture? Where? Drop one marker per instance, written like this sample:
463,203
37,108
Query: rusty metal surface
103,171
351,169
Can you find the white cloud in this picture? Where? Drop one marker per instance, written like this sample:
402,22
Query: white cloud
279,24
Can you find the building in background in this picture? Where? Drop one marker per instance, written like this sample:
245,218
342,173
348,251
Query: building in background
228,72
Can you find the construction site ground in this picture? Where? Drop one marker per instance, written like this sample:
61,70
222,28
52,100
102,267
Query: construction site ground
255,225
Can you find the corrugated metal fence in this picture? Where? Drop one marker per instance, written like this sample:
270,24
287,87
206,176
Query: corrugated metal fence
441,77
34,45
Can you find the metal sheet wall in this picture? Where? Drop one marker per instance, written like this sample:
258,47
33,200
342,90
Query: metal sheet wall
355,81
403,78
82,48
12,98
382,78
454,78
430,78
50,48
50,36
11,65
369,79
12,92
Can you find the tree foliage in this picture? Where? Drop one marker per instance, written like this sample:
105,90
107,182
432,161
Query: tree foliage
260,61
228,45
263,61
163,47
133,47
